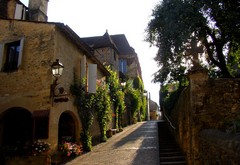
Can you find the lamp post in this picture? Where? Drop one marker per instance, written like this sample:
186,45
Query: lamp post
148,108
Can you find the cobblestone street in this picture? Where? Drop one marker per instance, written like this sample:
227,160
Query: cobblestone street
136,145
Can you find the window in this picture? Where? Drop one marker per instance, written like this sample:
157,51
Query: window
11,56
123,66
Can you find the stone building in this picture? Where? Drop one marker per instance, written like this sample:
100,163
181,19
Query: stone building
114,50
154,110
29,107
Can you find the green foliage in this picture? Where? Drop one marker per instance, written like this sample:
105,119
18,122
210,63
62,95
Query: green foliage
174,22
143,108
133,102
84,103
234,61
102,108
116,95
121,107
86,140
169,95
138,84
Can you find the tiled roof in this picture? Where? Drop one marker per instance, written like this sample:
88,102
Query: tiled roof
119,42
122,44
104,41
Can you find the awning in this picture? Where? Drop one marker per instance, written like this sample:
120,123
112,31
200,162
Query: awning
41,114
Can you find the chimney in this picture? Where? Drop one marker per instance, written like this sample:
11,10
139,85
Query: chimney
38,10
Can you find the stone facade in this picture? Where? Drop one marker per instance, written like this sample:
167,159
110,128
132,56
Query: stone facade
108,56
205,104
27,89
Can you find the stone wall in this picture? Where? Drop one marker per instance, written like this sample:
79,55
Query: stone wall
224,148
205,104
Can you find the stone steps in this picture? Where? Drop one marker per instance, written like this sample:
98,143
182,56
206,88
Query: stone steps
169,151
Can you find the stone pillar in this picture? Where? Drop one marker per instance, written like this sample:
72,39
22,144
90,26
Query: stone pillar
198,90
38,10
198,81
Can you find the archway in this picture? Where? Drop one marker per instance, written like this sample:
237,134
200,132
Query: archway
66,128
16,128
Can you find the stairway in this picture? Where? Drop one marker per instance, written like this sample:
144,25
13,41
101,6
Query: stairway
169,151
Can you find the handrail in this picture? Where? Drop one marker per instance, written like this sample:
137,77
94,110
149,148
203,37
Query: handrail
170,123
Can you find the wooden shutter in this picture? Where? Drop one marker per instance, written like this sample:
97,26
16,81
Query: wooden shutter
92,78
1,55
18,12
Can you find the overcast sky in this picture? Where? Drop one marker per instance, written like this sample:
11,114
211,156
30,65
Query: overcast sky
93,17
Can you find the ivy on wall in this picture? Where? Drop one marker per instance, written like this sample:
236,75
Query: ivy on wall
102,107
84,103
133,103
117,97
111,95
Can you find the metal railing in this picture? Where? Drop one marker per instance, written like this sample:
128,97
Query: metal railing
170,123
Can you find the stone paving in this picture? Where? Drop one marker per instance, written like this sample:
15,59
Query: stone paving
136,145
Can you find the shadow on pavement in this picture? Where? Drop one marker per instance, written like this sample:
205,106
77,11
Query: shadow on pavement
144,139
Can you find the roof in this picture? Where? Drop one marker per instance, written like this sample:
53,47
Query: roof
118,42
122,44
104,41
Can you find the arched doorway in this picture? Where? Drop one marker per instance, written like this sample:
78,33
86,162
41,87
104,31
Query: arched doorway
66,128
16,128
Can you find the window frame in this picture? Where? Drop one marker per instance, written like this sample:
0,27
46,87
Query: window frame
123,66
4,54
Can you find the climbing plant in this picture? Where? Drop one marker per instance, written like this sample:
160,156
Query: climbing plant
132,101
138,85
84,103
135,103
143,108
121,108
102,107
116,95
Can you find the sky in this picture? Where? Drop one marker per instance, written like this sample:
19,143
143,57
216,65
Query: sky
130,17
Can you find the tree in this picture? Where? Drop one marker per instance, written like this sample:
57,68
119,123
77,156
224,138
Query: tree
214,23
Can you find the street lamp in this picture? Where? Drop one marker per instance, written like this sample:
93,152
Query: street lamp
57,69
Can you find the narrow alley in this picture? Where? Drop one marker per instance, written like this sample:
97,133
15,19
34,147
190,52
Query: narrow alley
136,145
